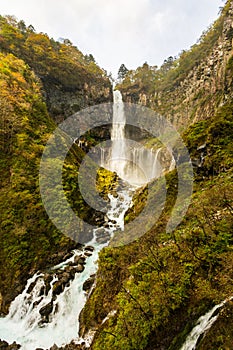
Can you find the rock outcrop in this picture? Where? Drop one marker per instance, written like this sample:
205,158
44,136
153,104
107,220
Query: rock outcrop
198,91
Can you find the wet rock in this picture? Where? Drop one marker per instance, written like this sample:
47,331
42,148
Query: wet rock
48,277
64,255
46,310
102,240
42,291
67,256
71,270
65,278
32,285
57,288
100,232
89,248
103,236
14,346
54,347
4,345
79,268
103,233
87,254
74,346
37,302
86,236
88,283
79,260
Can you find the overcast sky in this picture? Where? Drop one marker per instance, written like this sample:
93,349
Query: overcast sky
120,31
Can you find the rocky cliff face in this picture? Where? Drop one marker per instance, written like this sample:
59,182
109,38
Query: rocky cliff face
202,89
63,101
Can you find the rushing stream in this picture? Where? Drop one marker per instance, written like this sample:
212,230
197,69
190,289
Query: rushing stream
26,322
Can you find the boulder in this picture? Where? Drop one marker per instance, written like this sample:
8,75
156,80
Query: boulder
57,288
89,248
79,260
87,254
100,232
104,239
88,283
79,268
46,310
3,344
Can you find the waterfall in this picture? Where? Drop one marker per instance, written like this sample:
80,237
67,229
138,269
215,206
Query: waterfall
47,311
130,160
202,325
118,155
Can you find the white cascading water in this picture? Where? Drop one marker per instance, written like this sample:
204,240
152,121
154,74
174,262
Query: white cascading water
132,162
203,324
25,324
117,161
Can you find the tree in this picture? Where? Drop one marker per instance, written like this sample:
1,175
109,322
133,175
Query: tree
122,72
89,58
66,42
22,26
31,29
167,64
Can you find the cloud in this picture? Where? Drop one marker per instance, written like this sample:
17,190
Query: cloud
123,31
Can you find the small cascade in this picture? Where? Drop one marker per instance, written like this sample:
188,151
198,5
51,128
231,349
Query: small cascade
173,164
203,324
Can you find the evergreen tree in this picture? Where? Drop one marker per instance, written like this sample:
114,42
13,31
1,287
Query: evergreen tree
122,72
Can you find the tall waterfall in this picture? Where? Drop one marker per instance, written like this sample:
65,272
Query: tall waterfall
118,157
129,159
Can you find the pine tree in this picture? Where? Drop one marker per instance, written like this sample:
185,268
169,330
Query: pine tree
122,72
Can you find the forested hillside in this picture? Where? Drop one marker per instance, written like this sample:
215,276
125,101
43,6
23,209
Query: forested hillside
71,80
34,72
148,294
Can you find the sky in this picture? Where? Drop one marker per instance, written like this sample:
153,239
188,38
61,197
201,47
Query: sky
120,31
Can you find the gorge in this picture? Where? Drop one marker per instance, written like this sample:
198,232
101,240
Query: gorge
164,289
55,297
